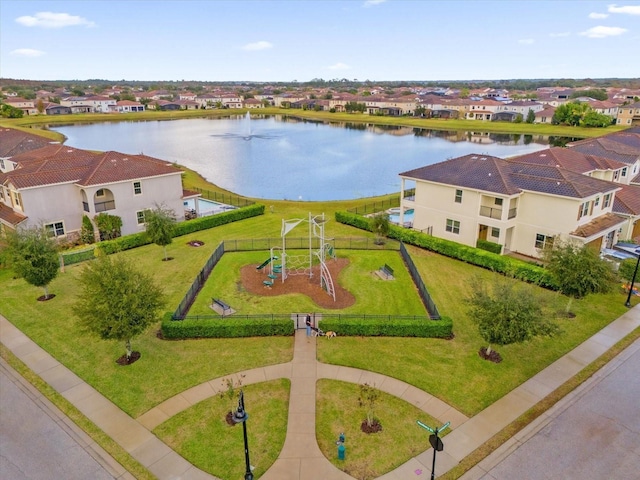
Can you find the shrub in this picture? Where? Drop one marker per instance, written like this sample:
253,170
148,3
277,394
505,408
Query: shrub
203,223
402,327
226,327
489,246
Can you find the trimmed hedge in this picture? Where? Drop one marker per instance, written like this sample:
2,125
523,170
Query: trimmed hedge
489,246
69,258
475,256
360,327
135,240
225,327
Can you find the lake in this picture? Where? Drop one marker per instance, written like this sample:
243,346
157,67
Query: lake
284,157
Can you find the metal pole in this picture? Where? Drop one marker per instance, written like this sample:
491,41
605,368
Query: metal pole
433,465
635,272
247,474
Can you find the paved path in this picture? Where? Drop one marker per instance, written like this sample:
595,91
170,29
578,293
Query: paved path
586,435
300,457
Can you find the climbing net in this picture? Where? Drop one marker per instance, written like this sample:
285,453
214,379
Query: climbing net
297,264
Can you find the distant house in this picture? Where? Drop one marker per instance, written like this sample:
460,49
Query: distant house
545,115
56,109
27,106
56,185
125,106
628,114
252,103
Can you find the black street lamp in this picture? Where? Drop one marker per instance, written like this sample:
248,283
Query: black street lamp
240,416
635,272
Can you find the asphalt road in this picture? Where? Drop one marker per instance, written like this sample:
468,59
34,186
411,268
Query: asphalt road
595,435
35,441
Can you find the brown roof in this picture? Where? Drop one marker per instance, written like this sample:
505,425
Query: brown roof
627,200
14,142
506,177
598,225
570,159
111,167
10,217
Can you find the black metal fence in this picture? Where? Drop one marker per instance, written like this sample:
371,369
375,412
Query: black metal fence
417,280
225,198
299,319
381,205
197,284
302,243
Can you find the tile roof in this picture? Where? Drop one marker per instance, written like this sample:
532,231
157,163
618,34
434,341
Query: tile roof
627,200
9,216
598,225
14,142
622,146
570,159
112,167
506,177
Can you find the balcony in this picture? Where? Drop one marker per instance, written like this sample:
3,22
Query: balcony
512,213
104,206
495,213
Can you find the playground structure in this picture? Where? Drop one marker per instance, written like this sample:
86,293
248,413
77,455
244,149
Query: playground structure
301,264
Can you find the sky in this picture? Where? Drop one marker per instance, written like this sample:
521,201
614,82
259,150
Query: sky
301,40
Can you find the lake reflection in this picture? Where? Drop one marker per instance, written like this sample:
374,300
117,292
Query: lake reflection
283,157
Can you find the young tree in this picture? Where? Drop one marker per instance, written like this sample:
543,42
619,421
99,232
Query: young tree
160,224
87,234
531,116
508,313
578,270
380,226
108,225
116,301
34,257
368,399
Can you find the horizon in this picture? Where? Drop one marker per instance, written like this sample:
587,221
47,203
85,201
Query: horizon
297,42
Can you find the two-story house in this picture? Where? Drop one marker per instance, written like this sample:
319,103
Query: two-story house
56,185
520,206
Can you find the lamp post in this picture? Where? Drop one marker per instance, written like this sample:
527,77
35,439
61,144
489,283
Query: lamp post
240,416
633,279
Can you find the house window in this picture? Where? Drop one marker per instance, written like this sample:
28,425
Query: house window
498,201
583,210
543,241
137,188
458,196
597,201
140,217
100,193
606,201
624,171
495,232
616,175
55,229
453,226
17,200
2,164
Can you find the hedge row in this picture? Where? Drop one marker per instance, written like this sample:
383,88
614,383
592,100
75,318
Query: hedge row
225,327
69,258
489,246
360,327
128,242
475,256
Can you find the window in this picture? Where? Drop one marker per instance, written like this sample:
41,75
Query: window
137,188
2,164
495,232
597,201
606,201
55,229
616,175
543,241
140,217
624,171
458,196
100,193
17,200
583,210
498,201
453,226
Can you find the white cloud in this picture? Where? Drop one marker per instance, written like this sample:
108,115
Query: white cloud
339,66
27,52
526,41
261,45
597,16
628,9
371,3
603,32
560,34
53,20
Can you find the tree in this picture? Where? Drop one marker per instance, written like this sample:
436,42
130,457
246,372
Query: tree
626,269
508,313
531,116
578,270
570,113
596,93
116,301
160,224
34,256
380,226
368,398
87,234
595,119
108,225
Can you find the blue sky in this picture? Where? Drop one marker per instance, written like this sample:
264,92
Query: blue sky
264,40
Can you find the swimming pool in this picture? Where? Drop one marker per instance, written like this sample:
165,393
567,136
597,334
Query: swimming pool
206,207
395,217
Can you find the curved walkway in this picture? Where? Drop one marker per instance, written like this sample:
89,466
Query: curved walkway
300,457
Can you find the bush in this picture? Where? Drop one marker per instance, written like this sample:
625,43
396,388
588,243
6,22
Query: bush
363,327
475,256
69,258
226,327
489,246
204,223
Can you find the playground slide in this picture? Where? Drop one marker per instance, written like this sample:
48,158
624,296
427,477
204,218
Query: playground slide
263,264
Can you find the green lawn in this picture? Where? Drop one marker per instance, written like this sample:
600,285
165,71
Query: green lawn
202,436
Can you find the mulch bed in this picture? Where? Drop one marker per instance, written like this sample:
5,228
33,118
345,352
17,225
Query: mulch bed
252,279
375,426
135,356
44,298
196,243
494,356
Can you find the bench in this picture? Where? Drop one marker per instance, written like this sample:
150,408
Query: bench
224,306
267,283
387,271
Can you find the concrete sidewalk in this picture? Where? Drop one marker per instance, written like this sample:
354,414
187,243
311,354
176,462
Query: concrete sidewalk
300,457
